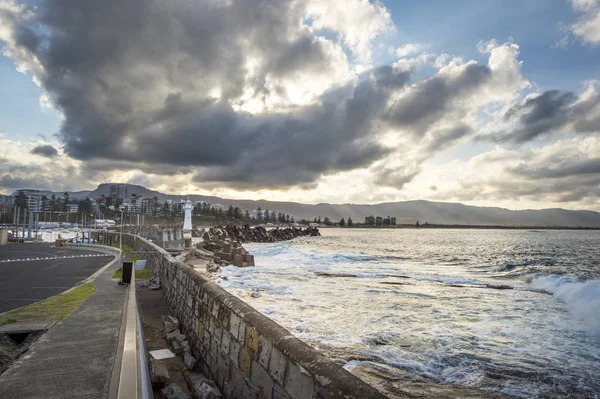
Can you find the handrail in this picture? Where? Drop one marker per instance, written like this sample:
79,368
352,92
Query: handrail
128,380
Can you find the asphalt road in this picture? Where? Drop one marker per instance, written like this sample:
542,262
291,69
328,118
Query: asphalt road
32,272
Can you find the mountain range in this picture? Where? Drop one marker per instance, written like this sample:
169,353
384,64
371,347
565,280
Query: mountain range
405,211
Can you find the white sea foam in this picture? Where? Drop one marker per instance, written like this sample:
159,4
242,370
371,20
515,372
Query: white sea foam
403,311
581,297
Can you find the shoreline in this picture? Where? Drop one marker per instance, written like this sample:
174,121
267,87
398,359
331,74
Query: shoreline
464,226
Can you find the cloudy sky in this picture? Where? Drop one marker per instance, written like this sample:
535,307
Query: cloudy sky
481,102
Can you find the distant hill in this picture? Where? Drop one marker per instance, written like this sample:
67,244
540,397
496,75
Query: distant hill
405,211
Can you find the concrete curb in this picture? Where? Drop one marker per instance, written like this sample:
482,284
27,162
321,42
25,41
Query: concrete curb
93,247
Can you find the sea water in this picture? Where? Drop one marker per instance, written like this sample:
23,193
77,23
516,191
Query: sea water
508,311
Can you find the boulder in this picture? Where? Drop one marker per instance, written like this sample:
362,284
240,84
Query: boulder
174,391
175,334
200,386
159,375
238,261
177,348
186,347
189,361
171,323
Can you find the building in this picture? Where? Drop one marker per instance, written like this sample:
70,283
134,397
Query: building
118,191
147,206
130,205
6,199
34,199
104,223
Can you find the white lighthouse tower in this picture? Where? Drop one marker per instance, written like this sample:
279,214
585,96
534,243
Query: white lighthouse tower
187,221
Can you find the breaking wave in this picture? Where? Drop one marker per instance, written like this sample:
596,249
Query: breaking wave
581,297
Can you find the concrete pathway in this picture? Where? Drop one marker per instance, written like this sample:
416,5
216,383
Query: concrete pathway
75,359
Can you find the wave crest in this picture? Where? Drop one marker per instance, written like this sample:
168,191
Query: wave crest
581,297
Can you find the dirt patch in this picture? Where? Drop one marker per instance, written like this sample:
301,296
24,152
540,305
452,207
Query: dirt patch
152,307
13,347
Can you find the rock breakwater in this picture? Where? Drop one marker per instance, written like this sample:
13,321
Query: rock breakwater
261,234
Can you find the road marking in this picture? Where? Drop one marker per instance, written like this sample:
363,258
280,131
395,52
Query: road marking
24,299
51,258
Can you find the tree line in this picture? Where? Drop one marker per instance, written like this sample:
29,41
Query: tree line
370,221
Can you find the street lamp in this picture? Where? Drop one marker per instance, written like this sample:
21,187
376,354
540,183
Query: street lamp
122,208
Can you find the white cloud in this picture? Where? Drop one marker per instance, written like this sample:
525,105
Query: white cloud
587,26
410,49
357,22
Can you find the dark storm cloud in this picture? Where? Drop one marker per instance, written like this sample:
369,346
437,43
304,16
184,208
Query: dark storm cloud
447,137
153,85
45,151
10,183
541,175
568,168
431,99
132,80
423,105
550,112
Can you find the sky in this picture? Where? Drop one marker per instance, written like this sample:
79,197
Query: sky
489,103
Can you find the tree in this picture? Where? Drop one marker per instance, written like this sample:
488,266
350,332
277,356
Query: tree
230,211
52,203
350,223
326,221
237,213
319,220
65,205
287,218
259,214
247,214
85,206
21,200
44,203
166,209
292,220
273,217
342,223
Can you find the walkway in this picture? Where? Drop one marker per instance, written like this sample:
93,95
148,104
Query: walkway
75,358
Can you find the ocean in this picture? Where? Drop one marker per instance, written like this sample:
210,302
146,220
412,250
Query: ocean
515,312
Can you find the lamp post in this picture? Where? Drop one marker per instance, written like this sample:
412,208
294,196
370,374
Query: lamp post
122,208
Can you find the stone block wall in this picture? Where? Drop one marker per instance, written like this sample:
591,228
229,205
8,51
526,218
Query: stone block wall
247,354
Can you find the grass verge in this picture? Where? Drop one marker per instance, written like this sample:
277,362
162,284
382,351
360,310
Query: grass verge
129,253
53,308
144,273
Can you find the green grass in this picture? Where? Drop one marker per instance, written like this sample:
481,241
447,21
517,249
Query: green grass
53,308
129,253
141,274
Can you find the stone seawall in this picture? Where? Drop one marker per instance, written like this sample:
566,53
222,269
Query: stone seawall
247,354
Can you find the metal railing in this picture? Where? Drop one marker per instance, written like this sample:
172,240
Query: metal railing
134,379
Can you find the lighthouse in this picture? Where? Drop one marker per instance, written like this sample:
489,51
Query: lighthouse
187,221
